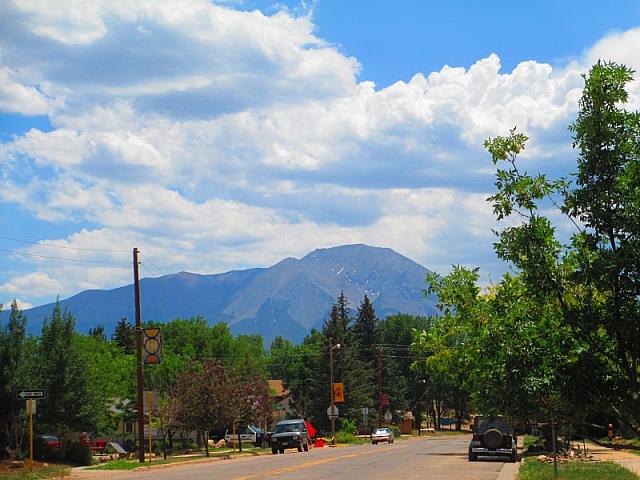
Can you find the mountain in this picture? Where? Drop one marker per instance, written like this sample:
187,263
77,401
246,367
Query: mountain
289,298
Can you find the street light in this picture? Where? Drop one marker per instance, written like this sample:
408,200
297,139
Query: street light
333,404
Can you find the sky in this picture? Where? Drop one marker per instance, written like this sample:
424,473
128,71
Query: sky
226,135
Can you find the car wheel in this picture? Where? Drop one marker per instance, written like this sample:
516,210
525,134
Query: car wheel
513,457
300,446
306,447
472,456
374,442
390,440
274,451
281,450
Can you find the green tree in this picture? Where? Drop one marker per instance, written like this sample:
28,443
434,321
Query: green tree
98,332
64,376
125,336
593,281
14,374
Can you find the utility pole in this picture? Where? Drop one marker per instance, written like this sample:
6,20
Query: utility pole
379,374
140,375
333,404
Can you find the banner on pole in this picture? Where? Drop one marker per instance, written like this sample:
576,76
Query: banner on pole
152,346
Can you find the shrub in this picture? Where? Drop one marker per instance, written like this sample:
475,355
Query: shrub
42,451
79,453
345,437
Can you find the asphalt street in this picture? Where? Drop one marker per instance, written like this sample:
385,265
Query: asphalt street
431,458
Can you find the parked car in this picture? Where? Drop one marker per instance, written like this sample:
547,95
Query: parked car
52,441
492,436
382,435
290,434
248,434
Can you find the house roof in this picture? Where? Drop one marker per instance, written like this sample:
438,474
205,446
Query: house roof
277,386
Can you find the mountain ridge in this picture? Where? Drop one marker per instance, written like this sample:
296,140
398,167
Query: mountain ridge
289,298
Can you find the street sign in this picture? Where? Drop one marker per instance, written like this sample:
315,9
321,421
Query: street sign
37,394
332,412
338,392
151,345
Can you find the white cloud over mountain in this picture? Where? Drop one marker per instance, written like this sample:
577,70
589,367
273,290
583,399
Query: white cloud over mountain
215,139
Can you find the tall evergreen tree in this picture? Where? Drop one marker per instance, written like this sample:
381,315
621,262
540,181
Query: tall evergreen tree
64,376
12,356
125,336
98,332
365,330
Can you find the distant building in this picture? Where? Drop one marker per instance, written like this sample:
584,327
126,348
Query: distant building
281,399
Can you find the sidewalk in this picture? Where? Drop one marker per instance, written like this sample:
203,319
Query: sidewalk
627,460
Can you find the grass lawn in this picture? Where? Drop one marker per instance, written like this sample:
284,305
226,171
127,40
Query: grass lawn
127,464
533,470
43,472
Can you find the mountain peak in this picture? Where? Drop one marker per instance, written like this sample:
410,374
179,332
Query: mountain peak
288,299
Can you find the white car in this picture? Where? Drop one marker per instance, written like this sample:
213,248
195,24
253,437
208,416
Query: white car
382,435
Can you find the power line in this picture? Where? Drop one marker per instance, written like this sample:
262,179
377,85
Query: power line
152,264
62,246
22,252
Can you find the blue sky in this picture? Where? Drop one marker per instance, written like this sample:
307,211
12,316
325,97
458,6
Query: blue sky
216,136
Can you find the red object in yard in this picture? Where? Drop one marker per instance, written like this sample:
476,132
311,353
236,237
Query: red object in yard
319,442
100,444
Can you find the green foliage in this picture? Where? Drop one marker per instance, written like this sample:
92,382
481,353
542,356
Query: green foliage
78,453
558,337
62,373
16,360
125,336
532,470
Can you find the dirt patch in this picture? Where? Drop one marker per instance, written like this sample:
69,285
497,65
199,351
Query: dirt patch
7,467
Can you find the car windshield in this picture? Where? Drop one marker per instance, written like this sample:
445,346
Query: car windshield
288,427
382,431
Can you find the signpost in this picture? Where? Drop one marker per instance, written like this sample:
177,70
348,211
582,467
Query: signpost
332,412
31,396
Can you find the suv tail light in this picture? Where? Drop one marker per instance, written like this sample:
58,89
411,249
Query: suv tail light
477,438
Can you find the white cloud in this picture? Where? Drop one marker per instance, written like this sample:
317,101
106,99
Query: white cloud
16,97
6,306
36,283
215,139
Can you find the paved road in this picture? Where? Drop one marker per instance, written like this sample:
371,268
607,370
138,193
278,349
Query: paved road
427,458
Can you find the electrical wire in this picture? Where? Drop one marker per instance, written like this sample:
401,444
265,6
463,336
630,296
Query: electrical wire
22,252
4,237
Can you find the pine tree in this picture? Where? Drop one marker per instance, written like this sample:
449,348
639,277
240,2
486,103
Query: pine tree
365,330
64,377
125,336
12,357
98,332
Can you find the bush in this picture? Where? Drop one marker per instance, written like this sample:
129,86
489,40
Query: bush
79,453
42,451
395,430
346,437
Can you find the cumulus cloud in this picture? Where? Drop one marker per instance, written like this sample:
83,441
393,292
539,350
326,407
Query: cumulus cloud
16,97
215,139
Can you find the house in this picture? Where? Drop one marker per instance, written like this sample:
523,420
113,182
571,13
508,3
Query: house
281,399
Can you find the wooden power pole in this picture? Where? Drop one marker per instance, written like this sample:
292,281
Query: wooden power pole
140,374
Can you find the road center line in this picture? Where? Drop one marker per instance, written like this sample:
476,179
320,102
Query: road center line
302,466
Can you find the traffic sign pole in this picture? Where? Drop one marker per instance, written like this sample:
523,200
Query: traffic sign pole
30,403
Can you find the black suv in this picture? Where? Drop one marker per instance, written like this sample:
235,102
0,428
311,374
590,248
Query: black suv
290,434
492,436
